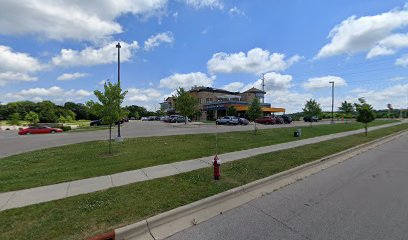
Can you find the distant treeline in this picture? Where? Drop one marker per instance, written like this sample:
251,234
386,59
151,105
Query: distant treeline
50,112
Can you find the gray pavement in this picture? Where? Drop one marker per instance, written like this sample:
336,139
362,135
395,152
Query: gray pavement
12,143
363,198
31,196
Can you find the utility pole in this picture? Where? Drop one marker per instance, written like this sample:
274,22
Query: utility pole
263,87
332,113
119,138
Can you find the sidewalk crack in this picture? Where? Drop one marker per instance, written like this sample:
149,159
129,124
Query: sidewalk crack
281,222
144,173
66,194
148,228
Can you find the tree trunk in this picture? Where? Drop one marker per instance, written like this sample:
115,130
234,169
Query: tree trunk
366,130
110,138
185,120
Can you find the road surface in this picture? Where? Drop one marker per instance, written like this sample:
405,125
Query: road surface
11,143
363,198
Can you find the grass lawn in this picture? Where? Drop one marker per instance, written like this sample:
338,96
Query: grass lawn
90,159
83,216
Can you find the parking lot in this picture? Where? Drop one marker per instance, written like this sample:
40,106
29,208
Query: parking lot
12,143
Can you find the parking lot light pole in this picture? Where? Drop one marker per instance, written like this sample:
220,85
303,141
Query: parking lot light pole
332,113
118,47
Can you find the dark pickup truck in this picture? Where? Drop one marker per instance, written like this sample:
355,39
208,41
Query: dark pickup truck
266,120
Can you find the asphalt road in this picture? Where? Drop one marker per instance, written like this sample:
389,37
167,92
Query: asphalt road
11,143
363,198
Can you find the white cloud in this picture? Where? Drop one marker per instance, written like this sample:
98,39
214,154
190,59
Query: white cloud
15,66
234,12
389,45
402,61
255,61
273,81
6,77
143,95
71,76
233,87
55,93
396,95
93,56
205,3
187,80
323,82
291,101
156,40
355,35
75,19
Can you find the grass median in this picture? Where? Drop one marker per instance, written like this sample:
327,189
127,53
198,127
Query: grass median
83,216
90,159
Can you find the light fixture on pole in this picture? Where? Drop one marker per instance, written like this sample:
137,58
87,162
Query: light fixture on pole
119,137
332,113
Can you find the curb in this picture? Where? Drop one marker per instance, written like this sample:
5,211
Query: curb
168,223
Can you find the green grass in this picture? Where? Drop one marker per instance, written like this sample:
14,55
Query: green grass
83,216
84,160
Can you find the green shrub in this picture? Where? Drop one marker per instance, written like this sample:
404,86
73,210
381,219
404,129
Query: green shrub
66,128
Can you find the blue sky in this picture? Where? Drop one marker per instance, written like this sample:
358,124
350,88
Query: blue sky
63,50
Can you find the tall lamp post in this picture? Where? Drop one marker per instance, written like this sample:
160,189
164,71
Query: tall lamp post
119,138
332,113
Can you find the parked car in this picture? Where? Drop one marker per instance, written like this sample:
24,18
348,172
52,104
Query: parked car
227,120
287,119
95,123
144,119
132,118
266,120
154,118
279,120
243,121
310,119
38,130
179,119
170,118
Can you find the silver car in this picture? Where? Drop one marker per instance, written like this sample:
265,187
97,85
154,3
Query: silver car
227,120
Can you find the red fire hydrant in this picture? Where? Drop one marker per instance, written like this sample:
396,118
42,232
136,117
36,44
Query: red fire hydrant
216,164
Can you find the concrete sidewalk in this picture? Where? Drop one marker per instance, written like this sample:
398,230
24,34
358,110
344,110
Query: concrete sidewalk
20,198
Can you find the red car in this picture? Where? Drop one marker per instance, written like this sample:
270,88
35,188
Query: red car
38,130
266,120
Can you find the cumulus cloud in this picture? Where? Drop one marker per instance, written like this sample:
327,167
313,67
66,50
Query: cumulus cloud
233,87
55,93
290,100
366,33
205,3
76,19
156,40
143,95
402,61
323,82
6,77
187,80
71,76
94,56
16,66
254,61
273,81
396,95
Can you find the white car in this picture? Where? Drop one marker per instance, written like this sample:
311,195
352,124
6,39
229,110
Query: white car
144,119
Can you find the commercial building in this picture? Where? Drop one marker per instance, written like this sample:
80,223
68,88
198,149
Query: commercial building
213,103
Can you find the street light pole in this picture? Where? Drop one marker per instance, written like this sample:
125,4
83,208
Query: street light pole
332,113
118,47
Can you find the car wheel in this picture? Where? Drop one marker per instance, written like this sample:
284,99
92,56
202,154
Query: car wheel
28,133
53,132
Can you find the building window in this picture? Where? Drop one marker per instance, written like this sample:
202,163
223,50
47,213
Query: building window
200,101
208,100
